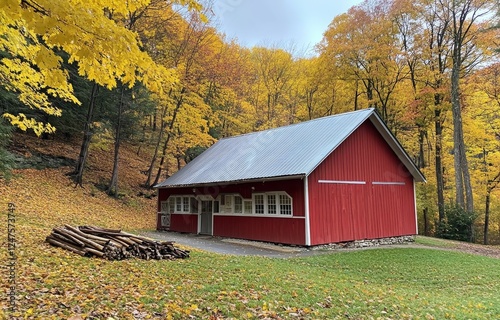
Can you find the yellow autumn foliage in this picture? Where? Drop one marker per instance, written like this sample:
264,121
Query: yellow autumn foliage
88,32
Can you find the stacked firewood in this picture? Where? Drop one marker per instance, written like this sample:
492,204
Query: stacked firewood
112,244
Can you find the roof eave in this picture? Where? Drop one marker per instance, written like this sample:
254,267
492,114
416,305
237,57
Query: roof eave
208,184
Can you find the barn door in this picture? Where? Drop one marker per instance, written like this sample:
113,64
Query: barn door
206,217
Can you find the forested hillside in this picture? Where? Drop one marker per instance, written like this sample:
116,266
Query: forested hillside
157,77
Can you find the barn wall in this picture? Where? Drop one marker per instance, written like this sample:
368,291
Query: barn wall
279,230
348,211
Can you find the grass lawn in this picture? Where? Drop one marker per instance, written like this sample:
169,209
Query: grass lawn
402,283
384,283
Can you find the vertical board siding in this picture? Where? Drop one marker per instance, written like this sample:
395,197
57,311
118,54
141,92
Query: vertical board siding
184,223
278,230
346,212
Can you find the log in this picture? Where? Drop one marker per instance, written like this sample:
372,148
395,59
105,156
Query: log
66,246
95,252
66,238
83,239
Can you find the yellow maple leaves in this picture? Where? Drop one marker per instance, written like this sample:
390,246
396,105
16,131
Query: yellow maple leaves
90,33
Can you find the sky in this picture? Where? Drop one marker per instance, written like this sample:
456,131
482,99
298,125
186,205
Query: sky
278,23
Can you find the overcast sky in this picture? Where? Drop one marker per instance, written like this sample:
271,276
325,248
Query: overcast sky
278,22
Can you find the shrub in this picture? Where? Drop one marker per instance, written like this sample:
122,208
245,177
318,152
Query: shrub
457,225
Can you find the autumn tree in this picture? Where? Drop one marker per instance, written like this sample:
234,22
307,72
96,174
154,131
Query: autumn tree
180,42
365,46
274,72
465,27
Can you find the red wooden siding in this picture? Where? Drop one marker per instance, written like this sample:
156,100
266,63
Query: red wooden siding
279,230
184,223
346,212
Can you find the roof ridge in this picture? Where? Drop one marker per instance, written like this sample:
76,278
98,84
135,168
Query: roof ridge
298,123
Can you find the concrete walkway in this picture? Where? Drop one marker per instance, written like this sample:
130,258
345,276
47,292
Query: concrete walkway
231,246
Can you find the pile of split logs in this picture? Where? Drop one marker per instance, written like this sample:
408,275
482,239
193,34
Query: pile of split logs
111,244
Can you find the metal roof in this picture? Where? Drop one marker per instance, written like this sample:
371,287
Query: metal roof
294,150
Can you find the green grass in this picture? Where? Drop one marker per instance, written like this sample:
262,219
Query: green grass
434,242
402,283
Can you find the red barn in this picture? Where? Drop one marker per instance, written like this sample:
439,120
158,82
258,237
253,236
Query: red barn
335,179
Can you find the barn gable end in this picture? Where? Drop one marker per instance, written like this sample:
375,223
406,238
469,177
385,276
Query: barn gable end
361,191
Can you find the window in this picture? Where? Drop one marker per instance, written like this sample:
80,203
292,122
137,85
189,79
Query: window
285,204
247,206
238,204
259,203
182,204
164,206
226,203
194,205
271,204
216,206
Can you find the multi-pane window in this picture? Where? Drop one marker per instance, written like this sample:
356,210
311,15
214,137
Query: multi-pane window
271,204
171,204
194,205
238,204
285,204
164,206
247,206
182,204
259,203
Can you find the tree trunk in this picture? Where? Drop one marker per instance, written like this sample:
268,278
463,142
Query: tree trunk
426,221
421,154
113,184
170,127
463,191
147,184
487,216
438,164
87,137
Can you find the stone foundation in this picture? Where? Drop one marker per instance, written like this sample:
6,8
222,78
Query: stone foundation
366,243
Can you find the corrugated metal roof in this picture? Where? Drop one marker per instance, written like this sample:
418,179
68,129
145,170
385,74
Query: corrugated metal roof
294,150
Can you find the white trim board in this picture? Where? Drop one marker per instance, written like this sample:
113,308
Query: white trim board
341,182
397,183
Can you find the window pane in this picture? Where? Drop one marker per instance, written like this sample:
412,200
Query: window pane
238,204
171,204
164,206
185,204
194,205
178,204
216,206
285,204
259,203
271,203
248,206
